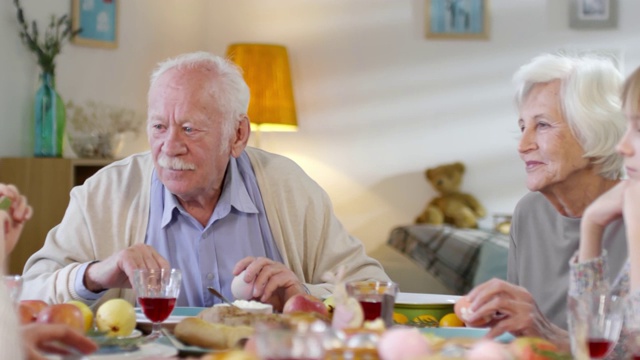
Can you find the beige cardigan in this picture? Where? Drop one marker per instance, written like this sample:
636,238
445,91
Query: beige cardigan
110,213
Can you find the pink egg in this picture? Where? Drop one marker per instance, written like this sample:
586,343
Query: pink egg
240,289
401,343
487,350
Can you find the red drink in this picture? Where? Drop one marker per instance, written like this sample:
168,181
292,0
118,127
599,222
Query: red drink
157,309
636,357
372,309
598,348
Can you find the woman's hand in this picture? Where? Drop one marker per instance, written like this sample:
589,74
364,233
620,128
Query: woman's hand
13,219
54,339
632,224
511,308
605,209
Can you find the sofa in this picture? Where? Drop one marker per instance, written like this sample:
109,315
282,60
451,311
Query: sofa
443,259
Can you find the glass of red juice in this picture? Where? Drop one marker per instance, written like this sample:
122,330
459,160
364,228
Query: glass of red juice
595,322
157,291
632,324
377,298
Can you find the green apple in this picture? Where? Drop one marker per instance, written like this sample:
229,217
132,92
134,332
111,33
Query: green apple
117,317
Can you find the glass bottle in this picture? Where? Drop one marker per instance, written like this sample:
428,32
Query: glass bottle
49,118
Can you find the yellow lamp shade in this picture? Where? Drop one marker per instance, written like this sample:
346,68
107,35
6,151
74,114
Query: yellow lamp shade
266,71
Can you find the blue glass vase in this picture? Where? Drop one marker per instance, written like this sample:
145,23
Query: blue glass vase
49,118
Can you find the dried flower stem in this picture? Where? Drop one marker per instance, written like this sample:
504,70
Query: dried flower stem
55,35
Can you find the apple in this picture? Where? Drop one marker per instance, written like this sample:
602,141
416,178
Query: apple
117,317
62,314
87,314
305,303
531,348
29,310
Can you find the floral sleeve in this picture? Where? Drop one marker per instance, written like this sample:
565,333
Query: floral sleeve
587,276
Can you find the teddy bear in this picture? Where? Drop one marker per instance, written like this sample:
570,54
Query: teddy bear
451,206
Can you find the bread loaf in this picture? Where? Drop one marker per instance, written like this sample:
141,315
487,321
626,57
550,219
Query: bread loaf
195,331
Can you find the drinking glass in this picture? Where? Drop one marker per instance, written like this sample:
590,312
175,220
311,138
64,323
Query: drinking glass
13,283
157,291
376,297
596,319
302,341
632,324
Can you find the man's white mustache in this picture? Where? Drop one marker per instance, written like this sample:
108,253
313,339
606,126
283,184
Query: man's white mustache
174,163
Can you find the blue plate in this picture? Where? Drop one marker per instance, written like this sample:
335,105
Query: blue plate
183,349
178,313
464,332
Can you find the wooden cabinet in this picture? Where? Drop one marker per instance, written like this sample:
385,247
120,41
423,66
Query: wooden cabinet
46,182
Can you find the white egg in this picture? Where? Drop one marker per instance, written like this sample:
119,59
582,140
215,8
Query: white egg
241,289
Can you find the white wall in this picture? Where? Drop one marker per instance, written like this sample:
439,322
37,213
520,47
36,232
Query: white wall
377,102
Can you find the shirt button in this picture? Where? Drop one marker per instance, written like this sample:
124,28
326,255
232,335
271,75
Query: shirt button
209,276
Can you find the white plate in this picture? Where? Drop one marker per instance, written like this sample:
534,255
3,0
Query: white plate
134,334
421,299
143,352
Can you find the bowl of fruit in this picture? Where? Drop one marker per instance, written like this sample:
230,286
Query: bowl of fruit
425,310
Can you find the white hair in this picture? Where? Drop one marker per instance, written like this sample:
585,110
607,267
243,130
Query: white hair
227,86
590,102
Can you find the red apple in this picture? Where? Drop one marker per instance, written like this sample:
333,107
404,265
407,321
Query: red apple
531,348
305,303
29,310
68,314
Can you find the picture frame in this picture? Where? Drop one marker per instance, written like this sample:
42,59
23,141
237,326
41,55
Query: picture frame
457,19
98,20
593,14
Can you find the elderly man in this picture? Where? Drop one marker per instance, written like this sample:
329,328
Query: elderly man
200,201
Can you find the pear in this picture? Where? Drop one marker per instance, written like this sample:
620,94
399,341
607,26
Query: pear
117,317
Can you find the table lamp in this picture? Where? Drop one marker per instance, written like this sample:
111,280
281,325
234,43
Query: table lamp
266,70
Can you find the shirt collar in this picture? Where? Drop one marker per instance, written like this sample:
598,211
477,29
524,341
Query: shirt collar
234,194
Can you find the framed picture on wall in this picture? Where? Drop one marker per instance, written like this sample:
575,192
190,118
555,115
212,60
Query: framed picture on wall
457,19
98,20
593,14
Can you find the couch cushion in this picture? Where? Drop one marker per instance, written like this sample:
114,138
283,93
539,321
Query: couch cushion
492,261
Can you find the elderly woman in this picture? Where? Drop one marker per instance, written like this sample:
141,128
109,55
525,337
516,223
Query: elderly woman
623,200
570,120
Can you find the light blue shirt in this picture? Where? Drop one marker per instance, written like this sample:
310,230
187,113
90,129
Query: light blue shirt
206,255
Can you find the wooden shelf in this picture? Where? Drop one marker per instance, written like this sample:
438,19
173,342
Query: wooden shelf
46,182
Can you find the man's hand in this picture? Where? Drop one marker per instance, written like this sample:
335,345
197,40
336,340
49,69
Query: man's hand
12,219
54,339
274,282
117,270
512,309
